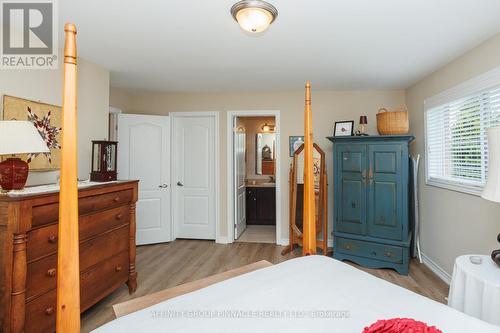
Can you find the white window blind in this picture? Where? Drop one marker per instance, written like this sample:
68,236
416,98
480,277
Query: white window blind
456,139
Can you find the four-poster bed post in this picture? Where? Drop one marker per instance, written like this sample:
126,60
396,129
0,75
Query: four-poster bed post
68,272
309,224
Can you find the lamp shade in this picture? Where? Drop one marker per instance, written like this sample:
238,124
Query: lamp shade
363,120
20,137
492,189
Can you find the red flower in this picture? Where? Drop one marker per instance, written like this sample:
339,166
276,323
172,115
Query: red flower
400,325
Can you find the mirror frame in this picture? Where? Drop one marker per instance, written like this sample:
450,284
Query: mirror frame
322,207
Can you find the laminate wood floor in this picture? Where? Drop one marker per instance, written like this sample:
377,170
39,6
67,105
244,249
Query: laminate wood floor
167,265
258,234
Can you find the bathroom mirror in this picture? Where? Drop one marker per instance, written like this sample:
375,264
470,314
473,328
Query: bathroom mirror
265,157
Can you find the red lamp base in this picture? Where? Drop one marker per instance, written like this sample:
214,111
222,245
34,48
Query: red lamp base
13,174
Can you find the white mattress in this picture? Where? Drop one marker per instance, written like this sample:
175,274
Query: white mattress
313,283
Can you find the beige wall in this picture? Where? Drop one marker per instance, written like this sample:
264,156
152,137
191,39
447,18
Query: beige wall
253,125
328,107
453,223
93,105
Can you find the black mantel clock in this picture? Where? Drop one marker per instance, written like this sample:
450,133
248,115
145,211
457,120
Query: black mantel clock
104,161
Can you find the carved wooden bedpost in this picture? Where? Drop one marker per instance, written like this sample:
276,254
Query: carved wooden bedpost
68,272
309,224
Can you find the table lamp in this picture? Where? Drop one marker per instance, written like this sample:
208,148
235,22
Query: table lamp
18,137
363,121
492,189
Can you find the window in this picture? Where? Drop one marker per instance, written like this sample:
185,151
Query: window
456,133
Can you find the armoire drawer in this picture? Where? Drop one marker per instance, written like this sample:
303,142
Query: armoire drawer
49,213
43,241
41,314
370,250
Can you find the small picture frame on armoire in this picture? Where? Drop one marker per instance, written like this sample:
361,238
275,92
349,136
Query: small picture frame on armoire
343,128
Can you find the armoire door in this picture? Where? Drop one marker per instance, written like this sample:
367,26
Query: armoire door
385,191
351,189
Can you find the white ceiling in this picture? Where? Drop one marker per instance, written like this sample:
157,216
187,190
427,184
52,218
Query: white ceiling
194,45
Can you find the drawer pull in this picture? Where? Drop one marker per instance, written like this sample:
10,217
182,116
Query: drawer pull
119,216
116,199
347,247
374,253
118,268
388,254
52,239
49,311
51,272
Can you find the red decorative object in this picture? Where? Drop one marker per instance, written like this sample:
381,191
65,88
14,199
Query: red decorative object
13,174
400,325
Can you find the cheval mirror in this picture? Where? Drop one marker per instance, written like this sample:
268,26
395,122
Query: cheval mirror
296,180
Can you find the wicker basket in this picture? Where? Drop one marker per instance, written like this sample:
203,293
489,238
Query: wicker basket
393,122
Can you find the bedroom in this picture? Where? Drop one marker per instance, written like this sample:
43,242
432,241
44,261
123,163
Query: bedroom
176,67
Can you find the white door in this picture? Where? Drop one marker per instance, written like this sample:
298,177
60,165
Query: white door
193,176
144,154
240,218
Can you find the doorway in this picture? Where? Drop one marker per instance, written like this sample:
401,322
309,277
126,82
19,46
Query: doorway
254,180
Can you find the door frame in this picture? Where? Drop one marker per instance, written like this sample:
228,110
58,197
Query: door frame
231,115
215,115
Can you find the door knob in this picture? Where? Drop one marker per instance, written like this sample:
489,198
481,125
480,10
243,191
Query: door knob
163,186
180,184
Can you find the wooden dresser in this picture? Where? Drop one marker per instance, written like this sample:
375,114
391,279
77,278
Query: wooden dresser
28,258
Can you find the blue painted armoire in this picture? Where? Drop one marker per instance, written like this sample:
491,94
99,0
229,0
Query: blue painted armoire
371,201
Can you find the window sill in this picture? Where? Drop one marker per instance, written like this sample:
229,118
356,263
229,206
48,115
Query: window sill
467,189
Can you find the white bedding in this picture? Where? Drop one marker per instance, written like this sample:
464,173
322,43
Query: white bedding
304,284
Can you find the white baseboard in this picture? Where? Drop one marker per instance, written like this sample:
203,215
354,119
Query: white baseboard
222,240
440,272
284,242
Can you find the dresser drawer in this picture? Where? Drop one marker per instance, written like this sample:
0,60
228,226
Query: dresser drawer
50,213
102,247
41,314
370,250
104,201
42,276
101,280
43,241
97,223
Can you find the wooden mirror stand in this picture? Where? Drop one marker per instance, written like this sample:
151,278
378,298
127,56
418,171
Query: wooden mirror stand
296,190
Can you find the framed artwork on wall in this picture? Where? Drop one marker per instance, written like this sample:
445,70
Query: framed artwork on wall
294,143
47,120
343,128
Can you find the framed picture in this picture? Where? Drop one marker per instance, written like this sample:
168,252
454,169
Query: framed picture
47,120
295,142
343,128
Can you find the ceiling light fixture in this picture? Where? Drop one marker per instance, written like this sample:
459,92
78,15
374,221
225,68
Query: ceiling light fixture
254,16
